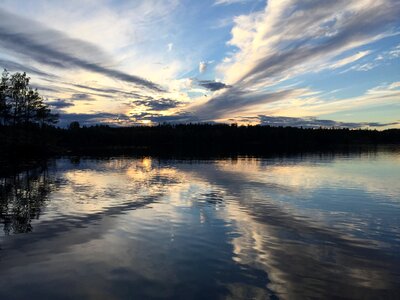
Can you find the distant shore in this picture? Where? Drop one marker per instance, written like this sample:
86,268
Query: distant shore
185,139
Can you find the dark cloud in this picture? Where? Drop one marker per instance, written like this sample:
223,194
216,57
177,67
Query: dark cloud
47,46
60,104
81,96
101,90
312,122
46,88
91,119
77,94
233,101
158,104
16,67
212,85
109,91
183,117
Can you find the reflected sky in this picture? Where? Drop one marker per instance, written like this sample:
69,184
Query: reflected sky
319,226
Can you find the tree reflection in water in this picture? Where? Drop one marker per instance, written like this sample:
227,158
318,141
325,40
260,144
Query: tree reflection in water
23,196
307,226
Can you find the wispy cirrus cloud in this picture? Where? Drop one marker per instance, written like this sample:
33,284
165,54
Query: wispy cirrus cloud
140,60
312,122
348,60
228,2
290,38
92,118
14,66
235,100
307,122
51,47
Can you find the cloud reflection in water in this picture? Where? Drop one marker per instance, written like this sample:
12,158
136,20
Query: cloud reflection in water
306,226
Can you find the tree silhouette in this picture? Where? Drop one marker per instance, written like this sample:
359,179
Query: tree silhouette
4,106
21,104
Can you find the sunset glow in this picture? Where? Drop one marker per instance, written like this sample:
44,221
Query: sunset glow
319,63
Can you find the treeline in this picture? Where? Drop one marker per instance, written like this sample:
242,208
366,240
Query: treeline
191,139
222,138
27,128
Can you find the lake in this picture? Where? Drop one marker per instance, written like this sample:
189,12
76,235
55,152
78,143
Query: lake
280,227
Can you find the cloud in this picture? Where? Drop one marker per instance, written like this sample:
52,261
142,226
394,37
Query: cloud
364,67
229,2
45,88
312,122
202,66
183,117
349,59
109,91
230,103
60,104
234,100
267,50
393,53
212,85
224,22
158,104
290,38
91,119
14,66
46,46
81,96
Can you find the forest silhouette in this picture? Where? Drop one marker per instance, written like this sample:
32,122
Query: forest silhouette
28,127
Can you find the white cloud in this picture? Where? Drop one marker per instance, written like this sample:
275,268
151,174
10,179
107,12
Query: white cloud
203,66
267,47
395,52
292,37
315,105
349,59
228,2
289,38
123,37
365,67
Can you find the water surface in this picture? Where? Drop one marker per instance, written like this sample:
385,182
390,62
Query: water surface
305,226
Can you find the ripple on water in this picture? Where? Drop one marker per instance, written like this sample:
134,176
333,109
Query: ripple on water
298,227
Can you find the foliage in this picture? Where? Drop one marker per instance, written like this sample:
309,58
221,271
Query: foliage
20,104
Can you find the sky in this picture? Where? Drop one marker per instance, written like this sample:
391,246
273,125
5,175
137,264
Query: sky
303,63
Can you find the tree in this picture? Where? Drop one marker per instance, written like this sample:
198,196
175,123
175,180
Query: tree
17,90
20,104
4,106
44,115
74,125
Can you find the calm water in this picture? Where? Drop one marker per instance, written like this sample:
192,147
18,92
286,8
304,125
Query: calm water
313,226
